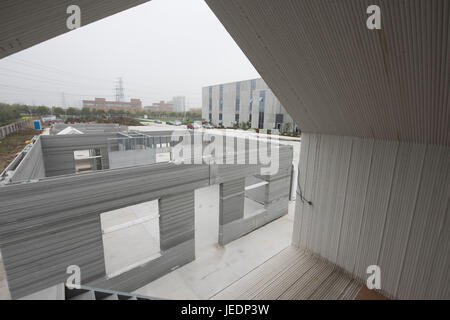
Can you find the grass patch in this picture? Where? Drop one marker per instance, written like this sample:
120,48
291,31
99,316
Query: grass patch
11,145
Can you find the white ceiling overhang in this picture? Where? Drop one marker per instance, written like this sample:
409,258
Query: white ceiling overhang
335,76
25,23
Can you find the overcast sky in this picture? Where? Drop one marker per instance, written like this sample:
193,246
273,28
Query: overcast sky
161,49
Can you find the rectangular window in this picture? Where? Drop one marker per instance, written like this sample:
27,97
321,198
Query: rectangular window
238,96
87,160
210,99
252,88
236,118
220,116
279,119
131,237
262,102
221,98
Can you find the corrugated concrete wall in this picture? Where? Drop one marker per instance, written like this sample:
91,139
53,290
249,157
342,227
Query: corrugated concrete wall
232,224
177,219
47,225
176,224
58,151
378,202
127,158
32,165
41,233
335,76
375,201
21,29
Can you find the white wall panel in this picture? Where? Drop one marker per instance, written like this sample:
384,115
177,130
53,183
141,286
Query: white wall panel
430,214
378,202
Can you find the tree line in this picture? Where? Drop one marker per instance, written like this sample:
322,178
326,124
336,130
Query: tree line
13,112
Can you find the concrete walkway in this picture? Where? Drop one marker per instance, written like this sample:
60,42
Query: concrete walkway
217,267
293,274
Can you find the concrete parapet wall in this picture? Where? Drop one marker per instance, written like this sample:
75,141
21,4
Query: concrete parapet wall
129,158
31,167
58,151
35,224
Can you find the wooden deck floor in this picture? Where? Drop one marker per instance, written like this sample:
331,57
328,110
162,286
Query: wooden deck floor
293,274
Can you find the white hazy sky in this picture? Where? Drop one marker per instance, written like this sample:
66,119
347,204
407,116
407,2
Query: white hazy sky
161,49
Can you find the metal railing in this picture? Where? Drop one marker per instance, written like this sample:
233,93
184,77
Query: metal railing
139,141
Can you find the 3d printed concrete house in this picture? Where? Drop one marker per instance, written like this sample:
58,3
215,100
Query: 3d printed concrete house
50,215
374,110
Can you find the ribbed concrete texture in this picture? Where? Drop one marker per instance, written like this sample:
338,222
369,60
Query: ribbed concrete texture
335,76
49,224
378,203
59,151
275,197
41,237
26,23
380,200
32,165
293,274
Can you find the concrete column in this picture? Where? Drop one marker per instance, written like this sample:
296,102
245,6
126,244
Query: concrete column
231,206
177,219
275,194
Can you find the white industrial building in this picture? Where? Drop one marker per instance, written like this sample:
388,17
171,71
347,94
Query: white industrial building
249,101
179,103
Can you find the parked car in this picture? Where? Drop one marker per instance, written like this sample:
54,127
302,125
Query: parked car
170,123
177,123
158,121
208,126
193,126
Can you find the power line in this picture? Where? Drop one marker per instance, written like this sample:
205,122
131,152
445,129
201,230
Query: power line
148,93
56,70
119,90
47,91
51,81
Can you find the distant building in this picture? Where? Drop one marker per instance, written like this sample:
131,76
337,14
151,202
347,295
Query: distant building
100,103
248,101
160,106
179,104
